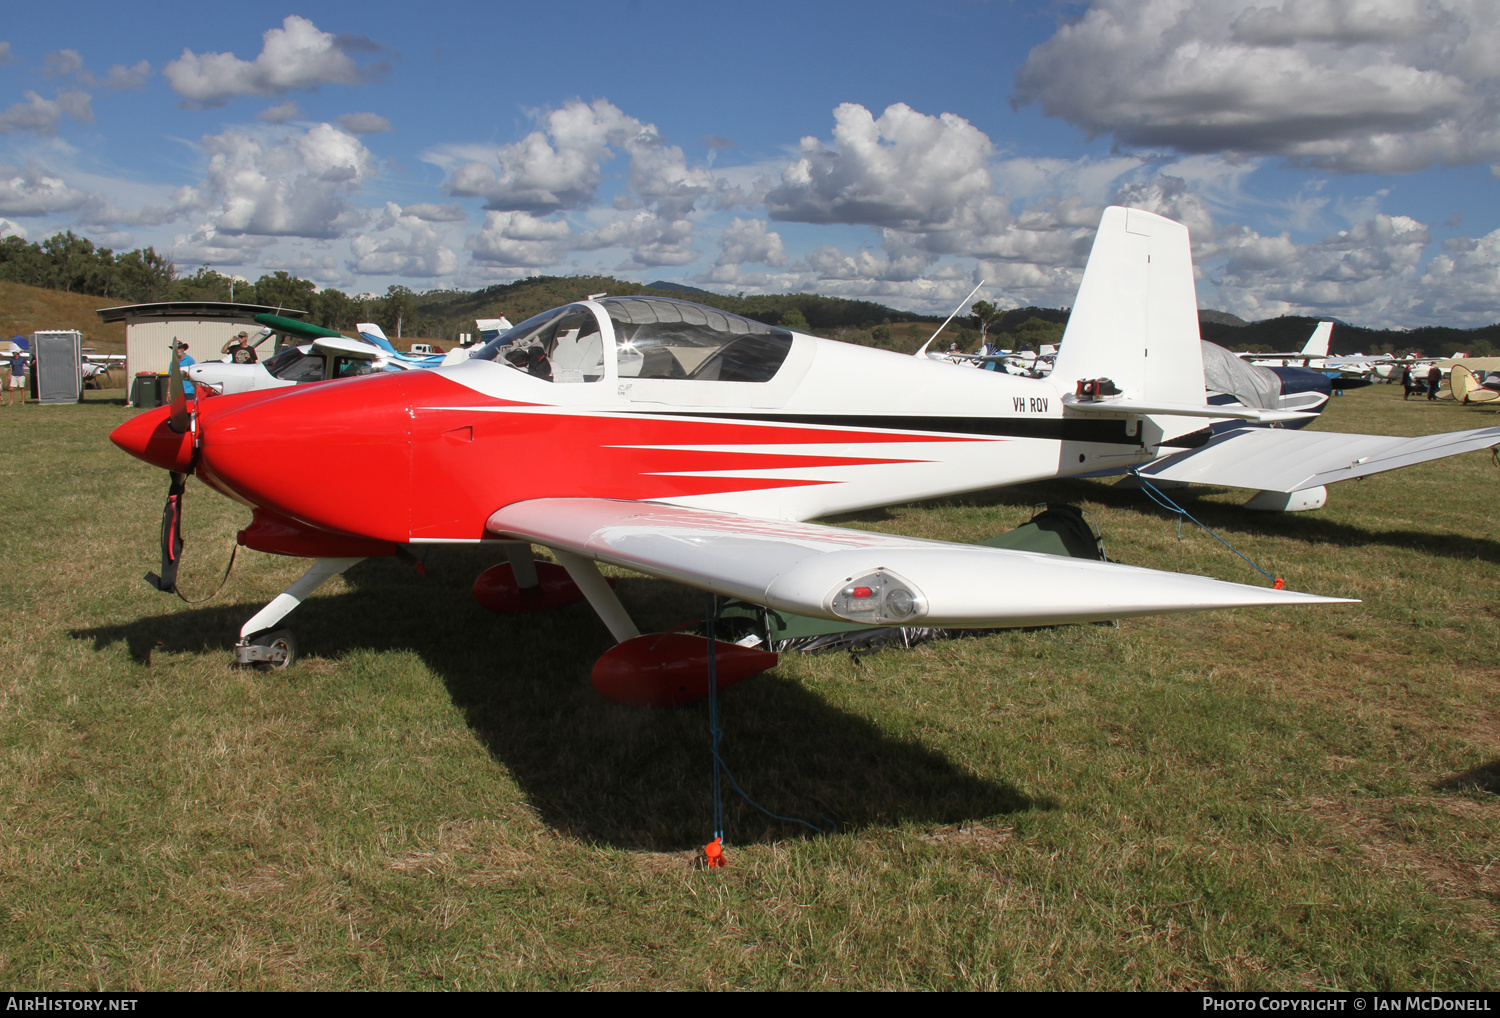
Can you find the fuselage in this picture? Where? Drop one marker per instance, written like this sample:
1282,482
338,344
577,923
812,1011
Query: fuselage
427,456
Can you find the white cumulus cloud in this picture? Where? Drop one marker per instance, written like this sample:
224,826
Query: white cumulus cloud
560,166
555,167
33,191
323,269
296,55
1463,282
296,184
364,123
411,246
903,168
520,239
41,116
748,240
654,240
1382,86
432,213
281,113
206,245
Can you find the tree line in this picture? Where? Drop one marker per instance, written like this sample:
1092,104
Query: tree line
68,262
74,264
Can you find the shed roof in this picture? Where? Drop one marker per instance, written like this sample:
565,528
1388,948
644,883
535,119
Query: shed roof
194,309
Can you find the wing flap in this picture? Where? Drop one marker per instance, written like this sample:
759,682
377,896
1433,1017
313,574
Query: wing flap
809,569
1280,460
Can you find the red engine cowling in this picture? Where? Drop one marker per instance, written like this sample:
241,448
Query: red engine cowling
671,669
497,590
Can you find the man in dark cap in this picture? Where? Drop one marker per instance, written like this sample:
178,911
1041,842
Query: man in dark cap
239,349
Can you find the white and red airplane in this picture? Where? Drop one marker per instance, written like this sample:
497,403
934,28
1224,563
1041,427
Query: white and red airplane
691,444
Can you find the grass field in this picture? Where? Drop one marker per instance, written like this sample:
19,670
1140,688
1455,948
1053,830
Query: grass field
434,797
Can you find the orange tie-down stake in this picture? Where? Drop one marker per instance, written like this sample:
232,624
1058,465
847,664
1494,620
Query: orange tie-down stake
712,856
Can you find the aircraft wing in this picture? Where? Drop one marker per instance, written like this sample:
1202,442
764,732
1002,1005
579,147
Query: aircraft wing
343,346
861,576
1280,460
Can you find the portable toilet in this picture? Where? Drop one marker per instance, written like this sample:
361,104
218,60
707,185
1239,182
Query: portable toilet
57,366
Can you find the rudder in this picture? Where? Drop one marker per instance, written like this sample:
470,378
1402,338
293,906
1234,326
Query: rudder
1135,319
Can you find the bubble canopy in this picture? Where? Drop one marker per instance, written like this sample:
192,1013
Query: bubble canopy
655,337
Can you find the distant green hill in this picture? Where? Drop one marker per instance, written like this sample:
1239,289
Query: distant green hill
446,312
1290,332
662,284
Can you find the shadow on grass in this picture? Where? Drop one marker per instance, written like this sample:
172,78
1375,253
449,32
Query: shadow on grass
1225,519
629,777
1484,778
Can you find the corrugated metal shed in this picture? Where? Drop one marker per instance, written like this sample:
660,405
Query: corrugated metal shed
205,326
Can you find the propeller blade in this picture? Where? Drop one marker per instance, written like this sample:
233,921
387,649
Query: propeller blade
179,421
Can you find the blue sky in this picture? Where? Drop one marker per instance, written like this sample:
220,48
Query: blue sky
1331,157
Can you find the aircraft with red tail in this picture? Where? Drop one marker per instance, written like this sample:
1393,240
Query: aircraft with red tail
693,445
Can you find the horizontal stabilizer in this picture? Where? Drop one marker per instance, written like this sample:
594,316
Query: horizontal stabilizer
1139,408
1280,460
860,576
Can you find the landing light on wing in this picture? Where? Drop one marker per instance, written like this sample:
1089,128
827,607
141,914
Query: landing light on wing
878,598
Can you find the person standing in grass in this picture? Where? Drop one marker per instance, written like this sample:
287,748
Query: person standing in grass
1407,383
17,378
1434,380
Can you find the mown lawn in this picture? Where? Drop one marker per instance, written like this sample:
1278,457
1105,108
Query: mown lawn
435,797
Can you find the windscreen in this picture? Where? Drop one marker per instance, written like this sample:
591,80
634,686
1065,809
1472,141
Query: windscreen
658,337
522,334
564,345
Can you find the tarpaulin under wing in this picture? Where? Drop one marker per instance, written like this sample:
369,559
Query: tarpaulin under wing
1226,373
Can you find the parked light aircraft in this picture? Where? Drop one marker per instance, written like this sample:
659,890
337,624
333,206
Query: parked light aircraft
692,445
323,354
1314,350
1473,387
1348,371
374,334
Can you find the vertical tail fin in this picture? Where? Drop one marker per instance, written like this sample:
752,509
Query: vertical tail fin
1135,320
375,334
1317,343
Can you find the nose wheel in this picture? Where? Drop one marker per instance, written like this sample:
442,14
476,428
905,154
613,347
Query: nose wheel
273,651
266,648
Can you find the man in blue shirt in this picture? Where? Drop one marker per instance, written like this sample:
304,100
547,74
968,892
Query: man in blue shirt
188,388
17,379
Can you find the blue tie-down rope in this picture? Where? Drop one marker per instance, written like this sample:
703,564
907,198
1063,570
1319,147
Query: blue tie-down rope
1153,493
716,735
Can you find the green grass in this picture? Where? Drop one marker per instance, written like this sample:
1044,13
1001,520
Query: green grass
435,798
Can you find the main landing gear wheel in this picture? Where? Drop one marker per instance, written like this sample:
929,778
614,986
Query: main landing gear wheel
266,652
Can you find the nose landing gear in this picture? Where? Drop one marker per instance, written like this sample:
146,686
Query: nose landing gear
272,651
265,648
